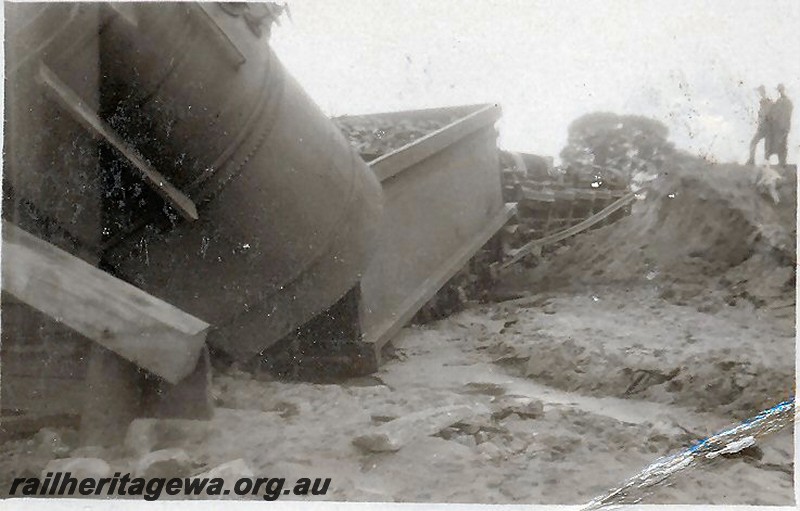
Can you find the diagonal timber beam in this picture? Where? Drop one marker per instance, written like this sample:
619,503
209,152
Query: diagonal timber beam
137,326
72,103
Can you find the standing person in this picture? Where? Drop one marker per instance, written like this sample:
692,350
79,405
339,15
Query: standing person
763,131
780,121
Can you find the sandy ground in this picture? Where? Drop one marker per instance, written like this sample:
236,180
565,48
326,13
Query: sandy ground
596,427
632,343
590,435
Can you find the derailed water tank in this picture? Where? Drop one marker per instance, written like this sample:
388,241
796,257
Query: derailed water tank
287,210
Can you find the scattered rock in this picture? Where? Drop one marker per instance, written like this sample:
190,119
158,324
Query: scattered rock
79,468
467,440
490,451
229,471
709,307
511,321
49,443
524,407
393,435
164,463
772,456
90,451
169,432
469,428
380,419
487,388
141,437
448,433
531,409
286,409
667,293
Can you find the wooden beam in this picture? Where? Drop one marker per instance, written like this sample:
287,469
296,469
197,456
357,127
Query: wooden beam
122,318
72,103
189,399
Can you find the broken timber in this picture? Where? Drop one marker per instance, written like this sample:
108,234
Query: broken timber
139,327
570,231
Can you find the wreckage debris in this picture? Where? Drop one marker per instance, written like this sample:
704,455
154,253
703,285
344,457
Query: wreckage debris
393,435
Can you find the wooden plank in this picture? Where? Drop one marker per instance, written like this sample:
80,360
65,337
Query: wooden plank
189,399
139,327
73,104
407,156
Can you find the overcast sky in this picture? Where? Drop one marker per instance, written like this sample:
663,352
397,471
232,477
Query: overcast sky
692,64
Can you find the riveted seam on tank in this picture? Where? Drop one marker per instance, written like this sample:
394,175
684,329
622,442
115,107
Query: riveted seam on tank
268,101
207,193
266,116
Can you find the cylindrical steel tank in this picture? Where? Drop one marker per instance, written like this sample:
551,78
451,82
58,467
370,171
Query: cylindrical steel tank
287,210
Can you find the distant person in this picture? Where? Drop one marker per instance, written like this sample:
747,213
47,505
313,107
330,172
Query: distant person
762,132
780,122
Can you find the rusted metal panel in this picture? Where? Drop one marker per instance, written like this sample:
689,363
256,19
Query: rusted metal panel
442,203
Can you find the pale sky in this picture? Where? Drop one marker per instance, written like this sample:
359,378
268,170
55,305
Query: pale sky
692,64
